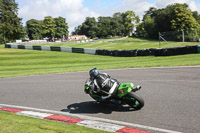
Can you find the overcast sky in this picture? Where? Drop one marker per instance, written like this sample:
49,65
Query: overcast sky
75,11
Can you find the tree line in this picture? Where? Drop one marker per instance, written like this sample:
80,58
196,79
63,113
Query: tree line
120,24
174,17
47,28
11,27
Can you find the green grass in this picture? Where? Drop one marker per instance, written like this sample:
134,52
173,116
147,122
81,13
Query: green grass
16,62
12,123
126,44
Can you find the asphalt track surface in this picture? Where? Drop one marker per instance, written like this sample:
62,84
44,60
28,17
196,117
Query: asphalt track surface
172,96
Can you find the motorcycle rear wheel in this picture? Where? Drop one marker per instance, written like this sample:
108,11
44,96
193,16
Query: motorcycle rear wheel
134,101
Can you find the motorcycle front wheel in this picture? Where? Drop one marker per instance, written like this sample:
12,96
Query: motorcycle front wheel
134,101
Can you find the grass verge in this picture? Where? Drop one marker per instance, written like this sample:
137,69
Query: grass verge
12,123
16,62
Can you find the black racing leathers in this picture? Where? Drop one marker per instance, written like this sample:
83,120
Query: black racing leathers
105,86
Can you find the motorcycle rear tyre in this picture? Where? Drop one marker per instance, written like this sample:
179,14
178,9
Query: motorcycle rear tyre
137,98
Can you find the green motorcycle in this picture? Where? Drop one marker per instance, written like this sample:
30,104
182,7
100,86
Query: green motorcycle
125,94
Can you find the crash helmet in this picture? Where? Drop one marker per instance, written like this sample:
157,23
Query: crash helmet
94,72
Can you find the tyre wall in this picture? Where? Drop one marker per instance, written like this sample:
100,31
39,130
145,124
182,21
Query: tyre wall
119,53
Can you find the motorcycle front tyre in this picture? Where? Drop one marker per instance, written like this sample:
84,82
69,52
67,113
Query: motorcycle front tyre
135,101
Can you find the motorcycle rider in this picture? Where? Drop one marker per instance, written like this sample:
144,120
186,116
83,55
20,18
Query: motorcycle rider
103,84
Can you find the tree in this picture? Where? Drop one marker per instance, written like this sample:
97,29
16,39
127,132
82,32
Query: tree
196,16
48,27
34,29
129,21
183,19
61,27
115,27
10,24
146,28
118,25
90,27
104,24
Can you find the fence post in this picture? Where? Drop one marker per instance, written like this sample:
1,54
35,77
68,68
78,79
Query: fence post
183,36
159,38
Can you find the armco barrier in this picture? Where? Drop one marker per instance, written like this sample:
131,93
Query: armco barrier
90,51
77,50
7,46
119,53
46,48
53,48
37,48
100,52
21,47
66,49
